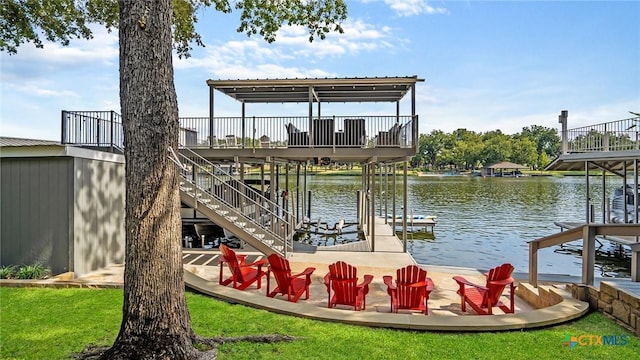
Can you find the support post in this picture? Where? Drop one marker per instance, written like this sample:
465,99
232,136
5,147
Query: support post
111,119
404,206
562,119
373,207
309,204
635,262
211,128
588,254
297,204
393,201
588,195
604,196
244,126
386,193
533,263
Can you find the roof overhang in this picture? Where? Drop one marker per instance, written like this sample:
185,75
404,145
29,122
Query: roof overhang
612,161
506,165
31,148
324,90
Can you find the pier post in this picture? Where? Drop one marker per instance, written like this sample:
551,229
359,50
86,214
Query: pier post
588,254
404,206
393,197
635,262
562,119
373,207
533,263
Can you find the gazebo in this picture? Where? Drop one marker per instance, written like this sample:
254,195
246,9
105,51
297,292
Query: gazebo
504,168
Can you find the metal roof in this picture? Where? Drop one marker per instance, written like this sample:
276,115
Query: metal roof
506,165
369,89
13,142
613,161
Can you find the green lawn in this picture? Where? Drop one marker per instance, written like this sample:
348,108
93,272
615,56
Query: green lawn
53,323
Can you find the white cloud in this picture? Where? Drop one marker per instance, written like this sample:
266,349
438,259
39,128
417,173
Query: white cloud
414,7
476,110
292,55
41,90
103,48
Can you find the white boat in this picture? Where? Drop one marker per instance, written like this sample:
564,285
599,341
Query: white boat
618,201
415,219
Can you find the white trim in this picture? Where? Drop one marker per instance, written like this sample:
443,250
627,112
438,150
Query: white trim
57,151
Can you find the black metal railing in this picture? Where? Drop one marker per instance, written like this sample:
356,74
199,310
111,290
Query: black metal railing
104,129
92,128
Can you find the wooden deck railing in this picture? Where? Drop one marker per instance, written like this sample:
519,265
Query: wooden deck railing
104,128
588,234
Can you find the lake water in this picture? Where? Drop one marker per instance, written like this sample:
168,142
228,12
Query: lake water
483,222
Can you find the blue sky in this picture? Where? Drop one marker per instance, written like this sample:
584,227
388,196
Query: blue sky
487,65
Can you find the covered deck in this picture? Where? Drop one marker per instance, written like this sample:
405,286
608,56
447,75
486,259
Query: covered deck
304,136
355,137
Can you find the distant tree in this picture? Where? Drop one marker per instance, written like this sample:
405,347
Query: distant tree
546,139
497,147
524,152
543,160
420,159
467,149
430,146
156,322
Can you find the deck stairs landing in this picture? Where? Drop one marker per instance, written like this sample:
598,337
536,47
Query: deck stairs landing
231,204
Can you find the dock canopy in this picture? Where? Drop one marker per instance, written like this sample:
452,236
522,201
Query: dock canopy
323,90
498,169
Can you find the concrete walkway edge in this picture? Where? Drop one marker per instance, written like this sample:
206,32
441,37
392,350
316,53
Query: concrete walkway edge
568,309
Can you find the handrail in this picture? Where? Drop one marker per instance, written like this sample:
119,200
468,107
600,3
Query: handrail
587,233
105,129
236,197
229,199
619,135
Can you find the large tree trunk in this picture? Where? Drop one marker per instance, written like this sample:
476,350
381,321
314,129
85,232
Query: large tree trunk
156,322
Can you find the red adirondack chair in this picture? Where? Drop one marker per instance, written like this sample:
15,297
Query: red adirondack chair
342,280
411,290
483,298
242,274
287,284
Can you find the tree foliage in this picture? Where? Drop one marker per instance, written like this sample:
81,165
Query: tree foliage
468,150
60,21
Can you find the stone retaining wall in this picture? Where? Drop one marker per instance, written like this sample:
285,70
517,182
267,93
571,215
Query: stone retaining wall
617,304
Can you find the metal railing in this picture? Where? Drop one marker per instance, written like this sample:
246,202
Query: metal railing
620,135
244,206
104,129
92,128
